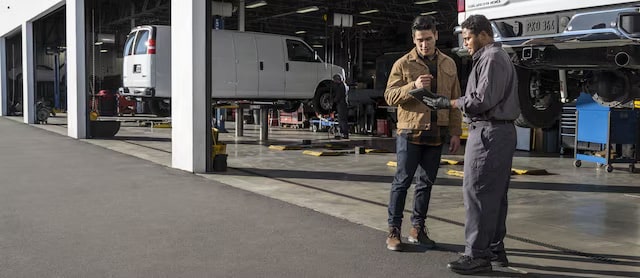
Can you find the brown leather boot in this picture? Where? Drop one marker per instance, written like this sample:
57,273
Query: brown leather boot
393,239
419,235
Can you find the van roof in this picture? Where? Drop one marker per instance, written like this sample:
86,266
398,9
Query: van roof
221,30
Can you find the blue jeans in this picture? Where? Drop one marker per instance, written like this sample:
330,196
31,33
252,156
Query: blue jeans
409,157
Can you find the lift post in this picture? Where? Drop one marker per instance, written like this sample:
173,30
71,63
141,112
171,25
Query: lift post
264,123
239,121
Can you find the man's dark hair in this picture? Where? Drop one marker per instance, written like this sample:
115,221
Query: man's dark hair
423,23
476,24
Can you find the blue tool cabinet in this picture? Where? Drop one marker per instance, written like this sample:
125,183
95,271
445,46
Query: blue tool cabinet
605,126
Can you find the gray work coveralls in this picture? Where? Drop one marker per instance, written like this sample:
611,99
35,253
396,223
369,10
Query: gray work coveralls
490,105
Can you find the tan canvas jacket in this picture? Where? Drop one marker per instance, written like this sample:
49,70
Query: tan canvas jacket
412,113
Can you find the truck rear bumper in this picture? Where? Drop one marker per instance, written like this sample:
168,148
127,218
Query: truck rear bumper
606,38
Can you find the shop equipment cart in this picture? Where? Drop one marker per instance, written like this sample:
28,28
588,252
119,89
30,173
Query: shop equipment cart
605,126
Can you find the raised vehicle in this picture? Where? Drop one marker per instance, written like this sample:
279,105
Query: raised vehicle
562,48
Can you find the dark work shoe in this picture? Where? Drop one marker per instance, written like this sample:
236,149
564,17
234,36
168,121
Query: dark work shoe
469,265
499,259
393,239
419,235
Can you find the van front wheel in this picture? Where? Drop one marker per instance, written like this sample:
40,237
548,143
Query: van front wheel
322,101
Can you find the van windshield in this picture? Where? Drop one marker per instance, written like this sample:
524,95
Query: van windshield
299,51
128,45
141,42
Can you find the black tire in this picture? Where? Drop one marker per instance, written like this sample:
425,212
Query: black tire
160,108
290,106
577,163
536,113
103,129
609,168
322,101
42,114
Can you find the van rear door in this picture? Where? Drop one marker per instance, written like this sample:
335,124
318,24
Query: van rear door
223,65
271,66
139,59
301,70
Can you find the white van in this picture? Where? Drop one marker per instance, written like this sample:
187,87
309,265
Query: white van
245,66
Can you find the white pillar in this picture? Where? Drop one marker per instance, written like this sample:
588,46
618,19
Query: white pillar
76,71
28,82
188,97
3,77
241,15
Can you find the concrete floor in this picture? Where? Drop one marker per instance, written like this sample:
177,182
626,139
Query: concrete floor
574,222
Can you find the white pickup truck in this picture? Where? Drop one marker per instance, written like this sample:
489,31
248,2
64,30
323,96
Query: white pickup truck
562,48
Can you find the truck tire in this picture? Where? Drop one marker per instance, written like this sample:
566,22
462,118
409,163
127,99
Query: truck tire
160,108
322,101
103,129
542,109
290,106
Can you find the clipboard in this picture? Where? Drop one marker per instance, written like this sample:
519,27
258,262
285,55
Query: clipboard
422,92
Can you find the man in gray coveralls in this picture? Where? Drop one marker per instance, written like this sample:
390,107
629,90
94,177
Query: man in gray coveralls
490,105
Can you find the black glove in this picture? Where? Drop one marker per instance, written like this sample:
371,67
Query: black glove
438,102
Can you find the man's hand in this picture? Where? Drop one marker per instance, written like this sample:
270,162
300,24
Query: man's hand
436,103
423,81
454,144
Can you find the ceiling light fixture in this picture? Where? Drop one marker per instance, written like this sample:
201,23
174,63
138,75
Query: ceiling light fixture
363,23
425,2
307,9
256,4
429,13
370,11
301,32
317,46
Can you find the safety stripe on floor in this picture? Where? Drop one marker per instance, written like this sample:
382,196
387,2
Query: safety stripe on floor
451,162
160,125
284,147
514,171
392,163
320,153
456,173
442,162
528,171
376,151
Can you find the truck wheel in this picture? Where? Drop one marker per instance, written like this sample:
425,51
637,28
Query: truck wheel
104,129
160,108
540,106
322,101
290,106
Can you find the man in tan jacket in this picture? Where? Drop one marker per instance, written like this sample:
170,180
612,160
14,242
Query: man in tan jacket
421,131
